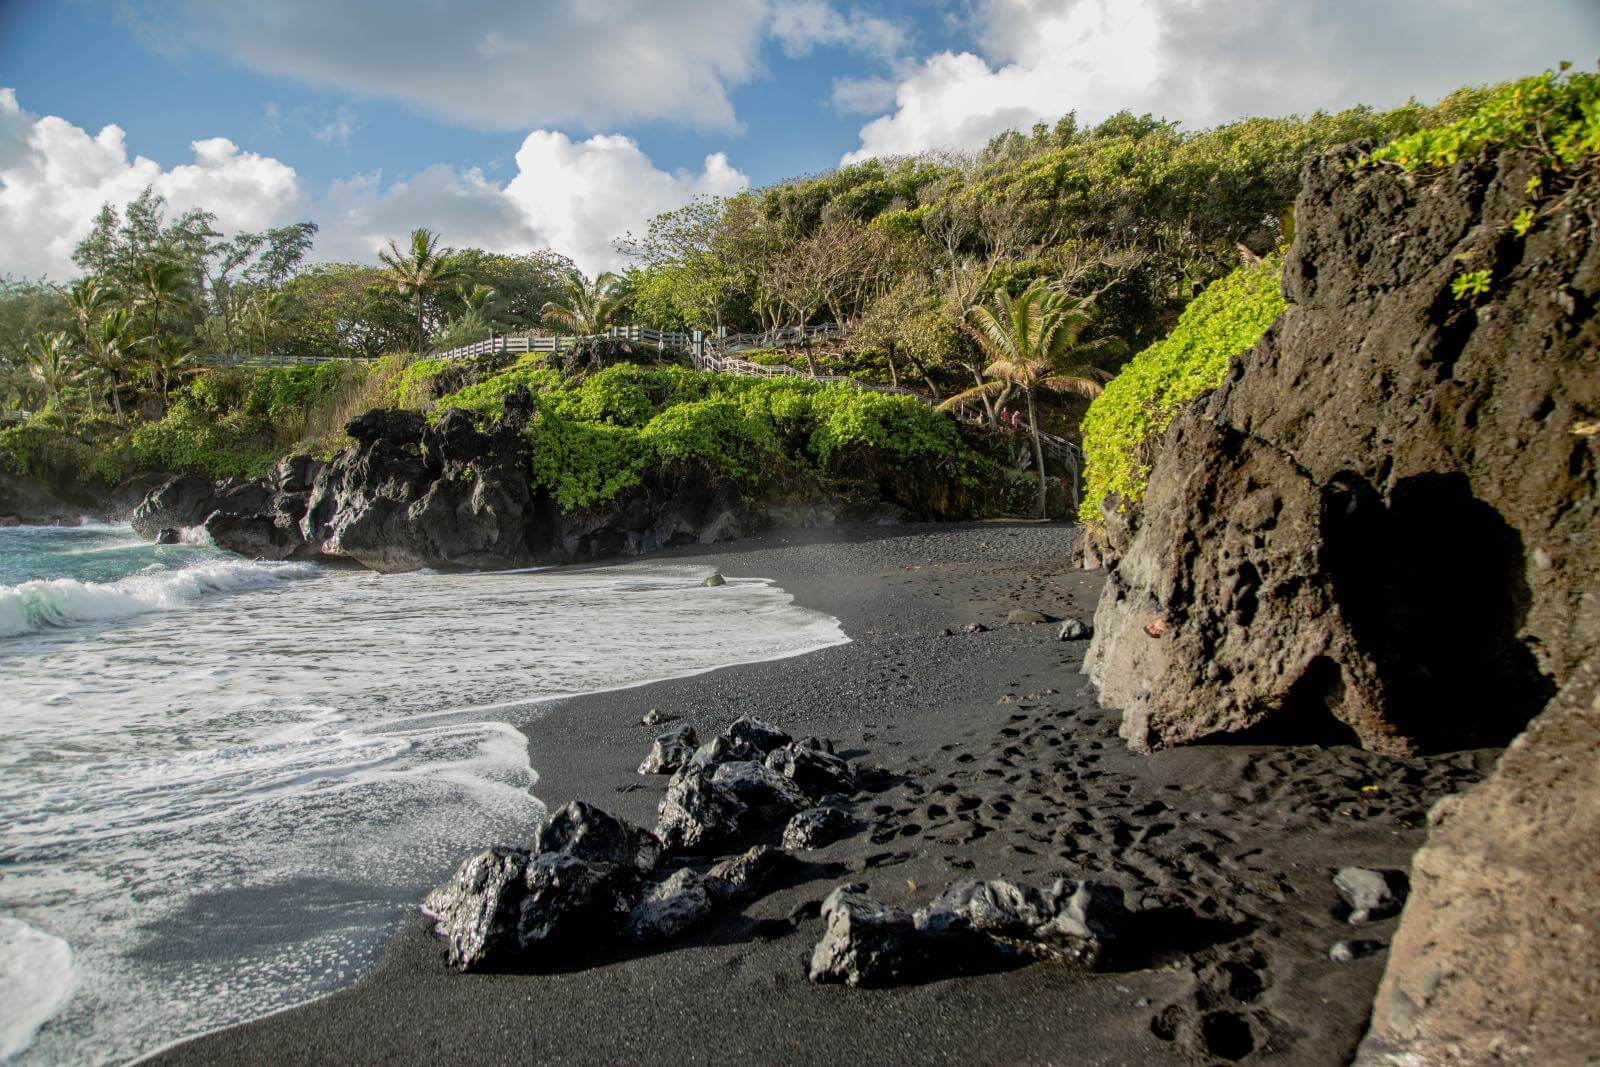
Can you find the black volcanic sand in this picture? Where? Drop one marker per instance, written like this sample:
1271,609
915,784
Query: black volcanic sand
997,763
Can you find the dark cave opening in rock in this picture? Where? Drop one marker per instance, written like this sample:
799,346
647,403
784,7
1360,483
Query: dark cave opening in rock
1431,582
1306,717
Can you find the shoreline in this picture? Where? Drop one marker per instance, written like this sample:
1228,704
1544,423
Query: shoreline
1225,851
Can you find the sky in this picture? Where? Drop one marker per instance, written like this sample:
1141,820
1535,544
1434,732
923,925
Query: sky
513,125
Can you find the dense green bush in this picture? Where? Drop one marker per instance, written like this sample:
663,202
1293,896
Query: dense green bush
192,440
486,398
1124,422
1557,115
277,392
582,464
590,443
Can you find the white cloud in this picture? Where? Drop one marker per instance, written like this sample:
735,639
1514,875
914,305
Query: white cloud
573,196
501,64
54,177
578,197
802,25
338,129
1208,61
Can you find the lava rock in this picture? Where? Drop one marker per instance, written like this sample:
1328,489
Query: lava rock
1025,617
1372,895
768,795
254,536
814,770
1075,630
975,628
817,828
715,580
717,751
476,911
748,873
571,906
670,751
671,909
865,943
586,832
656,717
168,536
697,814
1072,921
761,736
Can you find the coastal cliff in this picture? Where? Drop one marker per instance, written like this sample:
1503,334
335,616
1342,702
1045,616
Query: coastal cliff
1380,530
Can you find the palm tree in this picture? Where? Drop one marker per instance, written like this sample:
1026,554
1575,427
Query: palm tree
419,271
163,286
170,361
111,354
1033,344
589,307
50,362
88,299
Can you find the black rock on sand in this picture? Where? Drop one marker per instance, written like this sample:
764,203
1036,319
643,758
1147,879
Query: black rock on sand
979,756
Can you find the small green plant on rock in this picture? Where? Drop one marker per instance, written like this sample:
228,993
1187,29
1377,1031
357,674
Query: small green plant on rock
1470,284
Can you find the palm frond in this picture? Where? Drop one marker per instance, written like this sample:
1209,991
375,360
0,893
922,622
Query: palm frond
968,394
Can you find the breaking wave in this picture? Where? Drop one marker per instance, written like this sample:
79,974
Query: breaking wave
32,606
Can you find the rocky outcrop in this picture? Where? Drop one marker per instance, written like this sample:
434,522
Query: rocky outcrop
1497,959
1380,528
25,502
410,494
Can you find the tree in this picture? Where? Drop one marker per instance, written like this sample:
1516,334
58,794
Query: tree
171,361
111,352
419,271
588,307
1034,344
50,363
679,253
162,286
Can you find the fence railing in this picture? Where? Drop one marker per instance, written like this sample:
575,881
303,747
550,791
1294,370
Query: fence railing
707,351
211,359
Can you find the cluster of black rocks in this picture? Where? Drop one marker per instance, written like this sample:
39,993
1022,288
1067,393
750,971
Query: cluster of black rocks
410,493
592,882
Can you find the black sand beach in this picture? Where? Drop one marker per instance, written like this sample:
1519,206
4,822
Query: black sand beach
998,763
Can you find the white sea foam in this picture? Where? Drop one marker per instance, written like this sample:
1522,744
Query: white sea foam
35,981
36,605
224,802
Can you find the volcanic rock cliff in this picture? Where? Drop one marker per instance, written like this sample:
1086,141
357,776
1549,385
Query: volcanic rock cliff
1383,529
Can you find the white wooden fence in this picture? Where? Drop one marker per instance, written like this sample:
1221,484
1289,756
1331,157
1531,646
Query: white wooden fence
716,352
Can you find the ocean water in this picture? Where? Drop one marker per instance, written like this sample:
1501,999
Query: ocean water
222,782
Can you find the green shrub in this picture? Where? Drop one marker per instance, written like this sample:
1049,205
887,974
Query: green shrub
1557,115
190,439
486,399
720,435
1124,422
582,464
412,386
858,424
277,392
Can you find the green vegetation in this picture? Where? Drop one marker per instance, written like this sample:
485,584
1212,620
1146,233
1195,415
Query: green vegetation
1554,114
591,440
1124,422
1469,284
1107,231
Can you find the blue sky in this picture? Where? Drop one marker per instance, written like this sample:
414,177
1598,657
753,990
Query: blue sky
516,124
